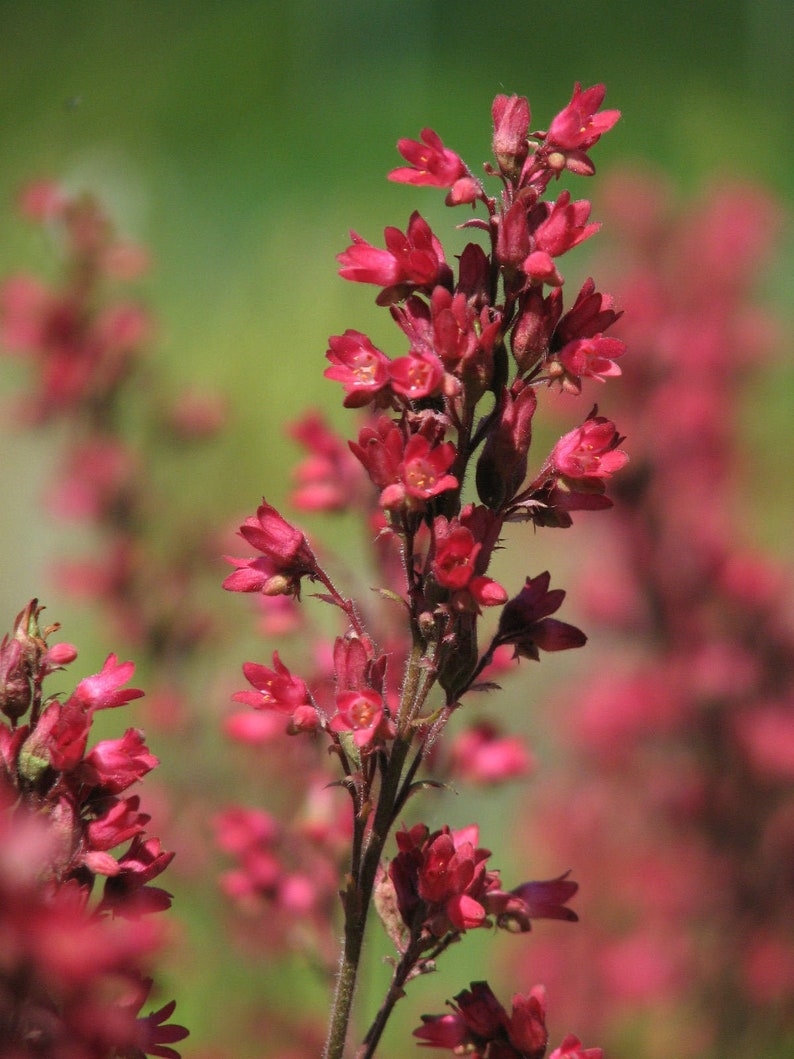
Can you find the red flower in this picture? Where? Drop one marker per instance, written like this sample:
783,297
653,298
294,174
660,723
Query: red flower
286,556
115,764
590,451
510,130
278,689
411,259
104,690
362,713
572,1048
431,164
480,1027
417,375
362,369
578,126
420,475
443,877
592,358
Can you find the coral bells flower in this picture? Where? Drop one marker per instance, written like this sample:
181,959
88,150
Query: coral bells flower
525,622
481,1028
362,369
286,556
104,690
510,130
362,713
407,476
431,164
578,127
590,451
425,467
443,877
278,689
454,564
414,259
572,1048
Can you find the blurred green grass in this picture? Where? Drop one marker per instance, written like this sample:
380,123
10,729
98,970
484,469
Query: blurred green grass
240,141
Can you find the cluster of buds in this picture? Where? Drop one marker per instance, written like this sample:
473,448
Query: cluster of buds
72,967
455,412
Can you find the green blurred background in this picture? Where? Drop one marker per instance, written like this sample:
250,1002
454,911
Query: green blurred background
239,141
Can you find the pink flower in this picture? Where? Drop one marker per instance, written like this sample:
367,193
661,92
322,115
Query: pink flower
534,900
414,259
480,1026
510,130
419,475
578,126
104,690
564,227
590,451
442,876
362,369
455,553
417,375
362,713
278,689
431,164
115,764
286,556
455,565
425,467
572,1048
592,358
480,755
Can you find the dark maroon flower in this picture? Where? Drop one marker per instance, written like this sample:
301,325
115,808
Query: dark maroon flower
525,621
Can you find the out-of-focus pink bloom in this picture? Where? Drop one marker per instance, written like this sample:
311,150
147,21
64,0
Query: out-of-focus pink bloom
195,415
482,756
766,734
572,1048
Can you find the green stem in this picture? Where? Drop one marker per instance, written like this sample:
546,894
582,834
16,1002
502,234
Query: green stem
365,867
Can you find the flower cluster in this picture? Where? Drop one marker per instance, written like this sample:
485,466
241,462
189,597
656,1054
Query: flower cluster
449,420
72,967
480,1027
